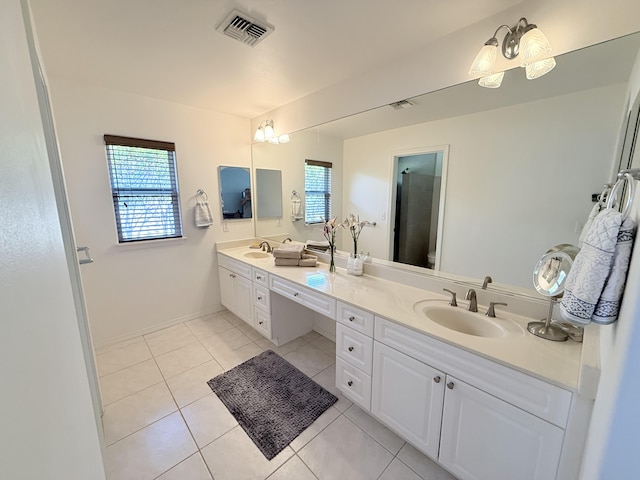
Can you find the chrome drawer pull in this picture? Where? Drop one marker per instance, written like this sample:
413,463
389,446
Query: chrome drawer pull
352,318
296,294
450,385
350,382
351,349
436,379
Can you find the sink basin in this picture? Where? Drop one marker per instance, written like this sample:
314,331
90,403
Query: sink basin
463,321
257,254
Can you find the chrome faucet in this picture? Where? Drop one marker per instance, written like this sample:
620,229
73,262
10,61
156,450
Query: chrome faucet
286,240
265,247
453,301
487,280
473,302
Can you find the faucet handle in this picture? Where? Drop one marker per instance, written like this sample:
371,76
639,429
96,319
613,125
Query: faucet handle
453,301
487,280
491,311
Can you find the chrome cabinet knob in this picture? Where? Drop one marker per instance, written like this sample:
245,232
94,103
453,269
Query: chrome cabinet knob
450,385
352,318
260,323
259,298
350,349
259,277
350,382
437,379
296,294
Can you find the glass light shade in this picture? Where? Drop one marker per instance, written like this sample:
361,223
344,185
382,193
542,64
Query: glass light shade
540,68
274,140
283,138
484,61
534,46
268,131
259,136
491,81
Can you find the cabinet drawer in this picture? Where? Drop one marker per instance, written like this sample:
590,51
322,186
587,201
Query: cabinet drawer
309,298
260,277
354,347
355,318
235,266
353,383
535,396
261,298
262,322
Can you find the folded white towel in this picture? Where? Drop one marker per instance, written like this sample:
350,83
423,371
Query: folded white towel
587,225
591,268
203,216
288,251
296,209
608,306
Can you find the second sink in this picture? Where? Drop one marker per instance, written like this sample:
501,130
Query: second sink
464,322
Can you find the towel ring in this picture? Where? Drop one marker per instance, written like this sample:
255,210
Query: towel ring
629,180
203,194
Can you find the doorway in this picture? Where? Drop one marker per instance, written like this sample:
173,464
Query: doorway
418,203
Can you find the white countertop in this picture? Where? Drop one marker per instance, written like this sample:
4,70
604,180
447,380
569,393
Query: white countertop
556,362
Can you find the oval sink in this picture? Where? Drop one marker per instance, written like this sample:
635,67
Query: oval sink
257,254
464,321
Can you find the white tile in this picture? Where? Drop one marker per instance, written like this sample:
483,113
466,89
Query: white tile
168,339
182,359
193,468
379,432
294,469
312,335
227,340
327,380
342,451
231,358
315,428
208,419
232,318
250,332
136,411
116,346
235,457
282,349
203,327
399,471
128,381
309,359
423,465
191,385
151,451
324,344
125,355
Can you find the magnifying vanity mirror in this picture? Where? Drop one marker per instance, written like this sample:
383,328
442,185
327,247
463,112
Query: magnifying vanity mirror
235,192
523,163
549,277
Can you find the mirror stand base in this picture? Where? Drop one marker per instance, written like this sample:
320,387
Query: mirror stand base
546,331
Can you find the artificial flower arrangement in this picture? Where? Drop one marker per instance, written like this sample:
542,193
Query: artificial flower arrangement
354,225
329,231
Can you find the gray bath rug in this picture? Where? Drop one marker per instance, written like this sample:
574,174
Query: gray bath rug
271,399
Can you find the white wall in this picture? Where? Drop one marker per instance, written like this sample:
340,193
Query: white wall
289,158
131,290
494,155
47,425
569,25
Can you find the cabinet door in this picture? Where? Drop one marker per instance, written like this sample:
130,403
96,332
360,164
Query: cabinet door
244,299
227,288
407,395
484,438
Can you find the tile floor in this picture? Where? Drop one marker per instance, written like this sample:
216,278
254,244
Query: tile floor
162,421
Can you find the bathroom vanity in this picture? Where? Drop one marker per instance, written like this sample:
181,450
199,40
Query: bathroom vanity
496,404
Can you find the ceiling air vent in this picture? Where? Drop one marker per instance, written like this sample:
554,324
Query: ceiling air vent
245,29
402,104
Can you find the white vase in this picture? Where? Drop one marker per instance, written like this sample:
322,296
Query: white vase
355,265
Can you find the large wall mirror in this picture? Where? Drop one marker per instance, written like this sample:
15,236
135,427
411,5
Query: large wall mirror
235,192
268,193
523,162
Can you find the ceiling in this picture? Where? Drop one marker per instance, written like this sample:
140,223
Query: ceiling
170,49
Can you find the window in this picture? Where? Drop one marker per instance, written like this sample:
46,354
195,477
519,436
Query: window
317,191
144,186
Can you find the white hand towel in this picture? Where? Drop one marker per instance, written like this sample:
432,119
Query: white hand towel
203,216
591,268
296,209
587,225
608,306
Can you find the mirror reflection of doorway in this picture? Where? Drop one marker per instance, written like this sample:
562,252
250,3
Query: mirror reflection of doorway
417,208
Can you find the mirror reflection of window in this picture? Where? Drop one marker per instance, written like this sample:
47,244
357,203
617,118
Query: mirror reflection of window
235,192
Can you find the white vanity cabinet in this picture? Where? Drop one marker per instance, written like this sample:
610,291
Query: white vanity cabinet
236,288
354,351
478,419
261,302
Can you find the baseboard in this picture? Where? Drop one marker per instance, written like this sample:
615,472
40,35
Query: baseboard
156,327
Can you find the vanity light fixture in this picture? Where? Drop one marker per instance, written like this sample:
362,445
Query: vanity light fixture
266,133
524,40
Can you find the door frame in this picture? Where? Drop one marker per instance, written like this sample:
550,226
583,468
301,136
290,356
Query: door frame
393,194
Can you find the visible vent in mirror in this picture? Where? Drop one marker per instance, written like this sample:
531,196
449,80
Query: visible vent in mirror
245,29
402,104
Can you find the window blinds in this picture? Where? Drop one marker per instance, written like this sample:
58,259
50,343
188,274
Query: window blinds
317,186
144,186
